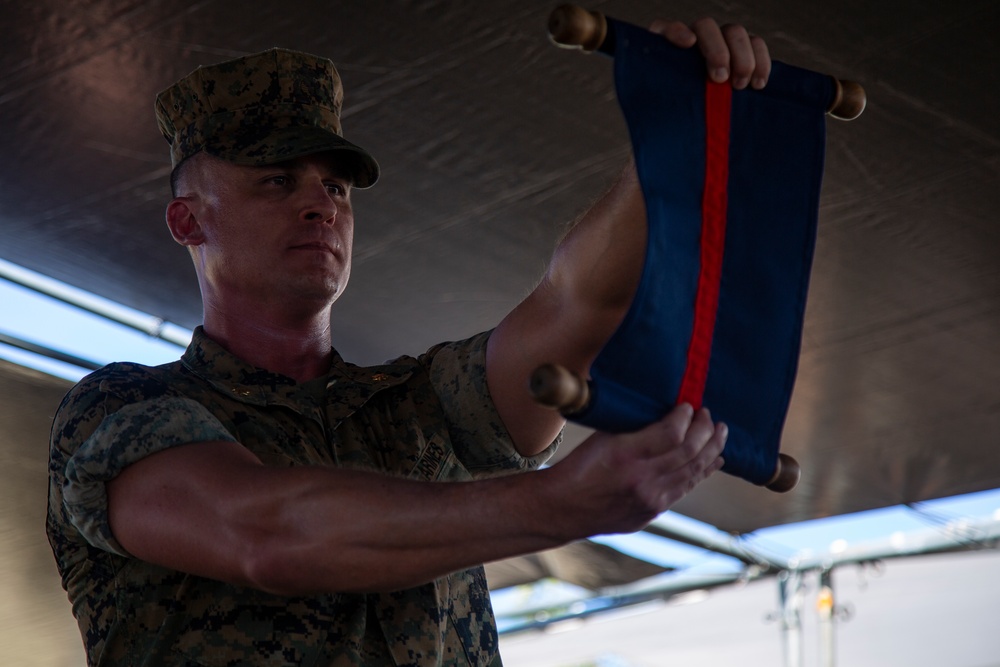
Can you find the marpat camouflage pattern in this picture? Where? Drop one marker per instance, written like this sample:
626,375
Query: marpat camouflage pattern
429,418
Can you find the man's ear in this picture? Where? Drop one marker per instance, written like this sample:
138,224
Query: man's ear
183,223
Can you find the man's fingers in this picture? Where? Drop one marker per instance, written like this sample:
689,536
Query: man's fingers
712,44
676,32
762,59
705,441
678,477
675,484
700,432
741,55
685,435
677,422
730,52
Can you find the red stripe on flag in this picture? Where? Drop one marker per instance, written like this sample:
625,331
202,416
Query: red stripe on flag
718,101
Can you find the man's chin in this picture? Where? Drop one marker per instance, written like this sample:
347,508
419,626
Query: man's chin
320,292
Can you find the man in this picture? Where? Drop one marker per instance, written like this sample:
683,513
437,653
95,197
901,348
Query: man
261,501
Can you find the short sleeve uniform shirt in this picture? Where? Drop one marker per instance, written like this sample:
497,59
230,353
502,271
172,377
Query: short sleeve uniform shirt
428,418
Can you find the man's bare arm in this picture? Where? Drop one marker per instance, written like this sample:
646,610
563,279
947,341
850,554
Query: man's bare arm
214,510
595,270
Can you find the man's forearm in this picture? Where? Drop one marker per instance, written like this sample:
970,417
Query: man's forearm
214,510
364,532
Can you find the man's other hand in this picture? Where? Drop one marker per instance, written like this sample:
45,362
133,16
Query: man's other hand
731,53
619,483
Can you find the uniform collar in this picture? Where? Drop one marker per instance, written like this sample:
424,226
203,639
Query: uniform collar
249,384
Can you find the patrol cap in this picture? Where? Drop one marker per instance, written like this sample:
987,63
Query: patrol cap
260,109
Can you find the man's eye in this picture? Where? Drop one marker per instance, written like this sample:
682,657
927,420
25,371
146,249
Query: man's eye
278,180
335,188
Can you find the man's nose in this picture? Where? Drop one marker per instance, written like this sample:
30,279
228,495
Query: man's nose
318,204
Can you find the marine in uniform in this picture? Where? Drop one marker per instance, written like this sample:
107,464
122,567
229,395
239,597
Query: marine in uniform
147,568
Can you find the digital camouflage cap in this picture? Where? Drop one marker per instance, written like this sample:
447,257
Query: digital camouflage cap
260,109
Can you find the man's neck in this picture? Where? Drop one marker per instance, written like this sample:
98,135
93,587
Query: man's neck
298,347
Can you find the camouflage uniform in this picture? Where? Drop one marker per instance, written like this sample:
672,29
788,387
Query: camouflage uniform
429,418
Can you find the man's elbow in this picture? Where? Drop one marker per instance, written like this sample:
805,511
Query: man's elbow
272,568
283,569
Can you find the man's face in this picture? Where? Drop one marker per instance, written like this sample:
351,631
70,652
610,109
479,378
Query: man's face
277,234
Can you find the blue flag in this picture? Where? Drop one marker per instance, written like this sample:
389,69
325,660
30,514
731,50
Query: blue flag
731,181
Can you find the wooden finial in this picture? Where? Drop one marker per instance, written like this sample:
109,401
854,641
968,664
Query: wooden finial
574,27
849,100
556,387
786,474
